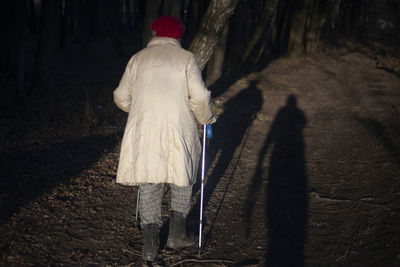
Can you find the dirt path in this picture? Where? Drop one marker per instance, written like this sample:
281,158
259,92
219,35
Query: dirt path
303,170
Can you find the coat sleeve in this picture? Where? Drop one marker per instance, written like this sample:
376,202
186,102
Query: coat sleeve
199,96
122,95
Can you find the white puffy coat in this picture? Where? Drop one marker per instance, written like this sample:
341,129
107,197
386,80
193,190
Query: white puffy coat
164,93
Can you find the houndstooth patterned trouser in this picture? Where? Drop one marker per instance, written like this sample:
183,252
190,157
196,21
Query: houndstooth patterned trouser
150,200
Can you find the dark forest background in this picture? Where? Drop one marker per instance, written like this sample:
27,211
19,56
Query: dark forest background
61,59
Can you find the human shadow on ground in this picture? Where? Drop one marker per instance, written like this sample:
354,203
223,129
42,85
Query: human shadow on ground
228,132
225,81
28,173
286,197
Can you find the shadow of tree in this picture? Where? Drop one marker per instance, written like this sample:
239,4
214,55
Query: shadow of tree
378,130
286,188
27,174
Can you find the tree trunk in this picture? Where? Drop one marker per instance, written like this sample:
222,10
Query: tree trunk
49,39
306,26
172,7
74,17
151,12
268,19
32,17
13,30
82,24
4,68
69,16
195,11
14,17
313,24
279,33
115,21
138,18
216,63
94,9
63,26
128,15
236,36
212,26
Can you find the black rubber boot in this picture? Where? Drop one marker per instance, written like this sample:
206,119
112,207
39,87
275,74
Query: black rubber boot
177,237
151,241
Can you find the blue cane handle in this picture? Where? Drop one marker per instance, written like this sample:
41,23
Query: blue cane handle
209,131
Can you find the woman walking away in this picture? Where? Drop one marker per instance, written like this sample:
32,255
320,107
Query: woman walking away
164,93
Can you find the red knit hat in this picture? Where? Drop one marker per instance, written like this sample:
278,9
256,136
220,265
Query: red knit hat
168,26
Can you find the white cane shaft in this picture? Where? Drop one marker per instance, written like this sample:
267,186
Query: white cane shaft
137,204
202,183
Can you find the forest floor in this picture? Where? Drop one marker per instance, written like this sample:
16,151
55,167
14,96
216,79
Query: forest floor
303,170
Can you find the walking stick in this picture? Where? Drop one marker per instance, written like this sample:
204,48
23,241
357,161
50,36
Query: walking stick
137,207
207,133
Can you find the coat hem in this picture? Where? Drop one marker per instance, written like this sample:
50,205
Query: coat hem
138,183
